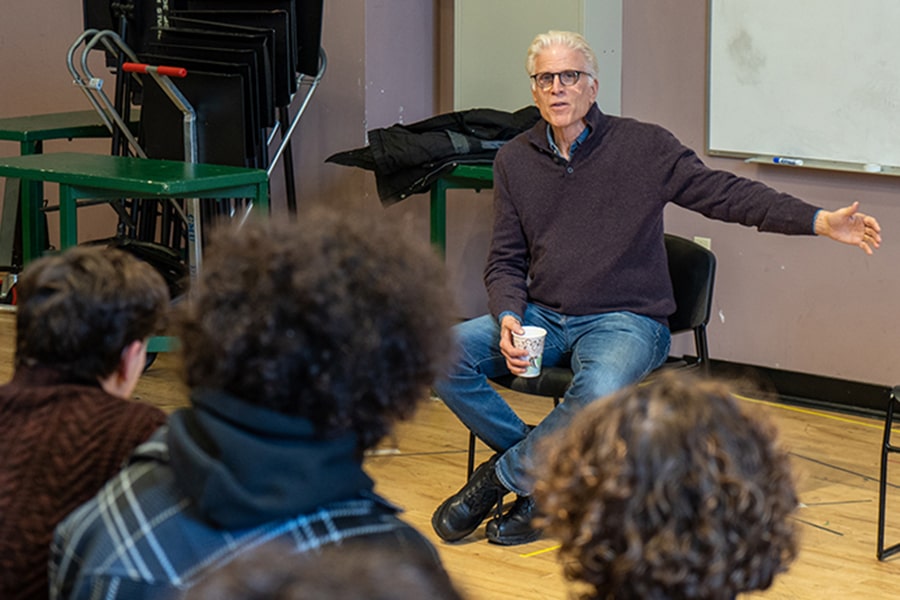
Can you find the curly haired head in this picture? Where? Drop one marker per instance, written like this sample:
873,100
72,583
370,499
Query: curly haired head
669,490
340,319
79,309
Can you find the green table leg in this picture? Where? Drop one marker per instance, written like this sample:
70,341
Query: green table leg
262,197
68,217
439,216
163,343
30,200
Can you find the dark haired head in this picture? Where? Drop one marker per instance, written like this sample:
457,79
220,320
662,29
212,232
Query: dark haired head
354,571
79,309
343,320
669,490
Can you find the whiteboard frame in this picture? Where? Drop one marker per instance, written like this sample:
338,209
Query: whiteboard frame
821,140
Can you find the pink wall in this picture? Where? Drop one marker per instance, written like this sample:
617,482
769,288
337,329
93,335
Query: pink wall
34,40
799,304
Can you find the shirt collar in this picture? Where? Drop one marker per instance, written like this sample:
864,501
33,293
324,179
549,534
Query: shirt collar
578,141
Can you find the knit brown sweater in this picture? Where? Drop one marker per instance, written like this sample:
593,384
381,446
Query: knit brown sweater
60,441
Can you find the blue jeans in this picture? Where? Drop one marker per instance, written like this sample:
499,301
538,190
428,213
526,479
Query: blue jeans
608,352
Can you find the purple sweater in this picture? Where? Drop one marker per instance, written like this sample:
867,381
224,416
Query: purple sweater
586,236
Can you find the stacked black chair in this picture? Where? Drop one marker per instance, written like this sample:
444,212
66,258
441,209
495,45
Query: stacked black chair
244,59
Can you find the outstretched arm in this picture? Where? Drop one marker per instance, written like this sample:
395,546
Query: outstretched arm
849,226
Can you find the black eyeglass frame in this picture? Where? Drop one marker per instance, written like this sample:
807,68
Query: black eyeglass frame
560,75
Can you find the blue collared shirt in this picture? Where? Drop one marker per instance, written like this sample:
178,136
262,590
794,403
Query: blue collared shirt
578,141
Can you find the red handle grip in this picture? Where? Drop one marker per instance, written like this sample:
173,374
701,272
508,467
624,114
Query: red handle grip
130,67
172,71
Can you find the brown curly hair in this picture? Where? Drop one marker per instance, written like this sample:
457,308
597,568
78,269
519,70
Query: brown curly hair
669,490
79,309
340,319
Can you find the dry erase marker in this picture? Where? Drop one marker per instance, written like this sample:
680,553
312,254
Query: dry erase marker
794,162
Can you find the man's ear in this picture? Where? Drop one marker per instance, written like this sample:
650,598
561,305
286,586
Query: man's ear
134,357
131,365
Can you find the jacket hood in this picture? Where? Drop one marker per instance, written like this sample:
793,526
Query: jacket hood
244,465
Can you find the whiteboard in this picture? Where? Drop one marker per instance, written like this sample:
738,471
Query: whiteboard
816,79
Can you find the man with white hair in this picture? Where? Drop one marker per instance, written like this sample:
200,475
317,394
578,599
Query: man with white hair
578,249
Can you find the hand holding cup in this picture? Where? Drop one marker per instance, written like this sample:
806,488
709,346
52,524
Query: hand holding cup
532,340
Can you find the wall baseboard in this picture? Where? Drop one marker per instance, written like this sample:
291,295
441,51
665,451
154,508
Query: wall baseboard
811,390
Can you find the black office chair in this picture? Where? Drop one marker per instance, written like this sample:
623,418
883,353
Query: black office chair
692,269
886,450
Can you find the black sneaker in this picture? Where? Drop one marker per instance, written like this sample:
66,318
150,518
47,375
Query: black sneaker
463,512
515,526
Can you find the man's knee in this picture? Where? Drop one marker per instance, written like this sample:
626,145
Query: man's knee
477,340
590,385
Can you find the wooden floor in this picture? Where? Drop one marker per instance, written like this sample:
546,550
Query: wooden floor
835,458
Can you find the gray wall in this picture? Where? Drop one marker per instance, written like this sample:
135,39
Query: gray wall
489,64
490,38
800,304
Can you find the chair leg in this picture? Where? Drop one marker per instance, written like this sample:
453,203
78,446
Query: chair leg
886,450
470,462
470,466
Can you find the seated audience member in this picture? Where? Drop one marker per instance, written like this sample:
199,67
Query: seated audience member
357,571
65,425
669,490
303,343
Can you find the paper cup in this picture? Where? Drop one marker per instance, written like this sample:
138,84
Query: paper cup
532,339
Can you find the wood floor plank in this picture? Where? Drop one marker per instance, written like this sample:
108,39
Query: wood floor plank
835,459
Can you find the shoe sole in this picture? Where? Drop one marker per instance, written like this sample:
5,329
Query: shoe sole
515,540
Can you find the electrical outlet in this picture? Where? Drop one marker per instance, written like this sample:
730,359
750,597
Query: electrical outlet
703,241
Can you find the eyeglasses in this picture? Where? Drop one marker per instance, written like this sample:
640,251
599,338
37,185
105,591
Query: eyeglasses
566,78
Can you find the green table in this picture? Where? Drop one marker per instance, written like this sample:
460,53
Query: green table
97,176
473,177
31,132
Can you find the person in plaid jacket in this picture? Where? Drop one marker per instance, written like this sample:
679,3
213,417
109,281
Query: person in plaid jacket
303,343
